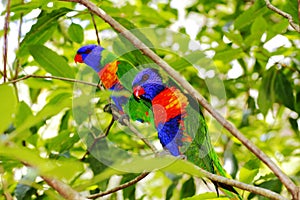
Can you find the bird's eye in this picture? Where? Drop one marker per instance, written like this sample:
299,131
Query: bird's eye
145,77
88,51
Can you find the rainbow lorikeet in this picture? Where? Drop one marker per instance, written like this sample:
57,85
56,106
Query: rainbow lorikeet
110,70
180,124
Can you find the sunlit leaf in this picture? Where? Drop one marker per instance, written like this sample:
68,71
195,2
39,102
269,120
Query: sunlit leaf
284,91
8,106
266,95
75,32
47,167
42,30
51,61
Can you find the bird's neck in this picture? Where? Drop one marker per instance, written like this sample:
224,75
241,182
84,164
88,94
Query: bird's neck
152,90
108,75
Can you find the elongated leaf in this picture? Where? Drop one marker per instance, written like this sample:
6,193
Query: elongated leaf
51,61
42,30
188,188
284,91
229,55
166,164
75,32
247,17
24,190
266,96
55,105
7,106
47,167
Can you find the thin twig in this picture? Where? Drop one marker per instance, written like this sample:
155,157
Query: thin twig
96,29
293,189
18,64
126,122
120,187
96,139
53,77
6,26
284,14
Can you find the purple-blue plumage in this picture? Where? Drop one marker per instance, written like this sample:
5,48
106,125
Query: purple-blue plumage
120,101
170,135
91,55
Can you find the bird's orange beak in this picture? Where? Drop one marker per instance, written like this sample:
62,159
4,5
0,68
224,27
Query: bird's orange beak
138,91
78,58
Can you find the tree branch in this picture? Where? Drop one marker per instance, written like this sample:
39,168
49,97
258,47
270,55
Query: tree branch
53,77
6,26
120,187
96,29
257,190
292,188
63,189
284,14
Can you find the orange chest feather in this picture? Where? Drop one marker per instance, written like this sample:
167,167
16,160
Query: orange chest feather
108,74
168,104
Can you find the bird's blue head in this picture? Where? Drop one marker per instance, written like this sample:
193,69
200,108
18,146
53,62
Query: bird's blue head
147,84
90,55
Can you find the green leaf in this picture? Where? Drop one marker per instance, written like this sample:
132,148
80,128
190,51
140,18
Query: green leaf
53,107
142,164
247,17
249,170
188,188
247,175
24,189
75,32
266,96
229,55
284,90
42,30
8,106
235,37
258,27
51,61
50,168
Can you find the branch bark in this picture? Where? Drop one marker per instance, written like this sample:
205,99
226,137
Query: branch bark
292,188
63,189
284,14
120,187
6,27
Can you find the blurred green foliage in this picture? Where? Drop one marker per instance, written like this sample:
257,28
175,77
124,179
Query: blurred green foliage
259,94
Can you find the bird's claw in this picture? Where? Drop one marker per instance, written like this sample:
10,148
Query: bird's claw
110,107
182,157
123,118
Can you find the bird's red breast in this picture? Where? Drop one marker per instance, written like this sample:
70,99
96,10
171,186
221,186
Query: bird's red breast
108,74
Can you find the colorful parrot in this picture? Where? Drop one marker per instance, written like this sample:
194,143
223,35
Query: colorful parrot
110,69
180,124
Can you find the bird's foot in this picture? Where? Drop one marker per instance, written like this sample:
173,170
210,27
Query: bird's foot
124,119
182,157
110,107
